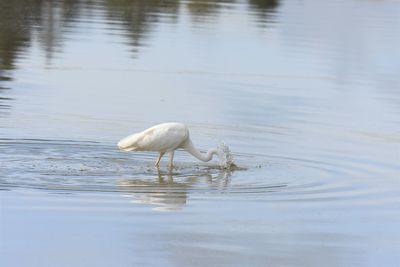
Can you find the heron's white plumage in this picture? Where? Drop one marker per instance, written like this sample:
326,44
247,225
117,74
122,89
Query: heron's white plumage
164,138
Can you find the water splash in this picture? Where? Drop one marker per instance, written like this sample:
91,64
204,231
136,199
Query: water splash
226,159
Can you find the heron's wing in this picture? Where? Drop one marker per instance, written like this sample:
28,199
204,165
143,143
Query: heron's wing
162,138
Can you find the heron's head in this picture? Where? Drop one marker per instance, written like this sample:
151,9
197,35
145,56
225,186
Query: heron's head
128,143
121,144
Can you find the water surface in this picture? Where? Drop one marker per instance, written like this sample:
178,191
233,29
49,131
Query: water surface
305,93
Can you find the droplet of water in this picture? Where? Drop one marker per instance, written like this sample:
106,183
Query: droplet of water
226,159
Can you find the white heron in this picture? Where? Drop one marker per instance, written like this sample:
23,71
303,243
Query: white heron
165,138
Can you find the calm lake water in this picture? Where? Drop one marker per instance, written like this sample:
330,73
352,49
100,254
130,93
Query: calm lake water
306,94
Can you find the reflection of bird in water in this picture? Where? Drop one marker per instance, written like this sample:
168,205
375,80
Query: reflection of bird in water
170,195
166,138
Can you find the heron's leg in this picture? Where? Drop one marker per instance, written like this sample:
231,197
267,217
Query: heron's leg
171,158
159,158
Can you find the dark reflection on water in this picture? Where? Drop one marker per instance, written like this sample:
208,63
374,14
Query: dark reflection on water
138,18
4,102
264,9
47,22
21,22
206,11
15,20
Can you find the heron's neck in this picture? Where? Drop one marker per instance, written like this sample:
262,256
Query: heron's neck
189,147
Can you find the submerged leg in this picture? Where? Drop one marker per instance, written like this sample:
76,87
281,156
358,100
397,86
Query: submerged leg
171,158
159,158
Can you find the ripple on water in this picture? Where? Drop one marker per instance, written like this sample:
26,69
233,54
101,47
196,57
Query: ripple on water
84,166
